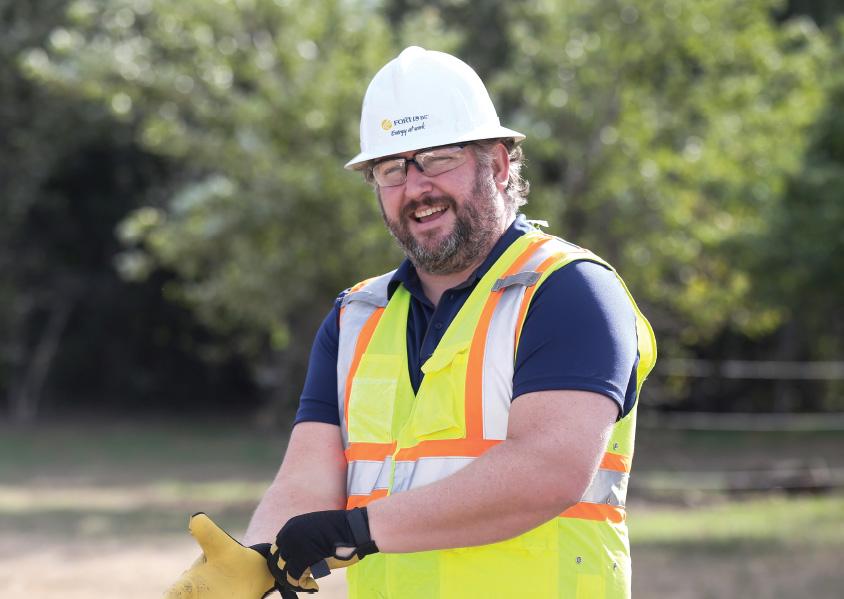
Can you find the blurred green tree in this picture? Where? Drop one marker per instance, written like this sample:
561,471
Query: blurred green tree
36,299
797,258
664,132
73,335
661,134
259,101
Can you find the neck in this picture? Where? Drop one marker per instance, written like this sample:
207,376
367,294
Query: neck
435,285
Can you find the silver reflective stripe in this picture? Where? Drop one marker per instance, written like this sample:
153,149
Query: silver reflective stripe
609,487
411,475
364,476
374,292
500,351
497,381
363,295
524,278
351,322
358,307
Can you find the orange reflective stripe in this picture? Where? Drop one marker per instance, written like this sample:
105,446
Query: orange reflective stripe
596,511
520,320
361,284
447,448
375,452
474,370
362,500
360,346
616,461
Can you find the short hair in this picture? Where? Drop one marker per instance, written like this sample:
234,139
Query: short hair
517,187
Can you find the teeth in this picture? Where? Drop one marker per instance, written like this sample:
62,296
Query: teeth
428,211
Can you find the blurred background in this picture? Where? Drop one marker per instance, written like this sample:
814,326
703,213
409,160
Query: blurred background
175,222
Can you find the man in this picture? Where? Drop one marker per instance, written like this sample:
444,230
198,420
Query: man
467,422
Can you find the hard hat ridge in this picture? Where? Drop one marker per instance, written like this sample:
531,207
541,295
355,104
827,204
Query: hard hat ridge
424,98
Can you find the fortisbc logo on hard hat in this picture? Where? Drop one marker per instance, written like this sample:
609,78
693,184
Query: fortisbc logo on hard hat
422,99
409,124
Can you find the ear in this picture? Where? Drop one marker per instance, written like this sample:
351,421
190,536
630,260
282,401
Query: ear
501,166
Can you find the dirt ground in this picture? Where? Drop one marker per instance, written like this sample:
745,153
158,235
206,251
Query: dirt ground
46,569
103,570
776,575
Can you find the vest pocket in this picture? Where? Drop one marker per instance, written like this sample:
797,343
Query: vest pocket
372,398
440,403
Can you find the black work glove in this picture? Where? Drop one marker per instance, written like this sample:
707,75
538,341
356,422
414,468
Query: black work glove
317,542
286,591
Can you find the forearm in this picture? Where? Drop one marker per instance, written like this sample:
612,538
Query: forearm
311,478
554,446
494,498
279,504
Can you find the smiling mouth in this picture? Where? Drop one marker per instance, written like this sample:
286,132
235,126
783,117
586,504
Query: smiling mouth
428,213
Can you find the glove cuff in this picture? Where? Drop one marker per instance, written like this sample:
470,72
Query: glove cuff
358,519
262,548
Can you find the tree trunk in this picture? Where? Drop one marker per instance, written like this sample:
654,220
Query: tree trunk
26,392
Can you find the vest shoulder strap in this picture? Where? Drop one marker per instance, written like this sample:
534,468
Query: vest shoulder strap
371,291
554,251
526,278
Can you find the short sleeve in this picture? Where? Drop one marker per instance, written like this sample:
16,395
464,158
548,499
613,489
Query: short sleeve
318,401
579,334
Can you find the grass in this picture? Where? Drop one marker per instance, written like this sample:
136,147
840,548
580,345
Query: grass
145,476
106,452
96,483
104,479
769,522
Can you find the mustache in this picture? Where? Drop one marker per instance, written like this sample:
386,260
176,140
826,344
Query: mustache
415,205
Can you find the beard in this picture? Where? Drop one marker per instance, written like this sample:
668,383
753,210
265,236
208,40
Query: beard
476,228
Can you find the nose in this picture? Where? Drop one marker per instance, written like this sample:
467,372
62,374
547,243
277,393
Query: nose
417,184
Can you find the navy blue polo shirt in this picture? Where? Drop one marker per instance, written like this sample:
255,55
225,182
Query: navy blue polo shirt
579,334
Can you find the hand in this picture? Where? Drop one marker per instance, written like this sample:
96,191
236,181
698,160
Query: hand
319,541
226,569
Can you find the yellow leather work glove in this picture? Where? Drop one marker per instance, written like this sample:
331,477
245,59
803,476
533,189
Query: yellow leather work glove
225,570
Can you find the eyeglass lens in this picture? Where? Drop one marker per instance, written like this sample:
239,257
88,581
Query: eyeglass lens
393,171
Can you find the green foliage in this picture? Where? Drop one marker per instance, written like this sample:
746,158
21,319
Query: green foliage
72,333
800,522
666,135
797,259
40,272
663,133
259,100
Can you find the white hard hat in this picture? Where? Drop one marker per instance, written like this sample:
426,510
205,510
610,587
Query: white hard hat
422,99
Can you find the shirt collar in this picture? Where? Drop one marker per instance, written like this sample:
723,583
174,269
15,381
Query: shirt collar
406,273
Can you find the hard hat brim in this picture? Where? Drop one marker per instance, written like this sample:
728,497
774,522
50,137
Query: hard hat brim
360,161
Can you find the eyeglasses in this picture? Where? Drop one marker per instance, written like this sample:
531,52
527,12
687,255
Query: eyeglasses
436,161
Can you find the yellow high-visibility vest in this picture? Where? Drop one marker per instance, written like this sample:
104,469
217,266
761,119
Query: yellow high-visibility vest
395,440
